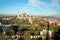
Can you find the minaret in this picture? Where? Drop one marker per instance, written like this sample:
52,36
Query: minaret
18,15
30,14
30,18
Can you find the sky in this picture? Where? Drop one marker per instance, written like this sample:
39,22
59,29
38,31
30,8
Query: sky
34,7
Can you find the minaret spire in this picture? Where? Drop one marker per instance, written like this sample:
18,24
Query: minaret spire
30,14
18,14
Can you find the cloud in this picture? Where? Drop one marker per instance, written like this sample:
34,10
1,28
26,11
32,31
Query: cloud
55,3
33,3
37,4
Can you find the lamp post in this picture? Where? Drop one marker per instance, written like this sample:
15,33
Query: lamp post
47,33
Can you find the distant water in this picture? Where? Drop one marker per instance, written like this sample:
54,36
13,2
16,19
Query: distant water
49,17
58,18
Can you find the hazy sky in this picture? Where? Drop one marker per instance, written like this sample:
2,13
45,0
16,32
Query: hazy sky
36,7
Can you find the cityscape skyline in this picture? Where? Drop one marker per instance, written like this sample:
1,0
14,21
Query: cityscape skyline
36,7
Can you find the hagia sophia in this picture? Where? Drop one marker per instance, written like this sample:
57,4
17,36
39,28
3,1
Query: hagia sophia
24,16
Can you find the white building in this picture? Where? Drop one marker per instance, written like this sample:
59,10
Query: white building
24,16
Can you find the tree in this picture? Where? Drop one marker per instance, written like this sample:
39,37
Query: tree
1,33
15,28
42,25
1,30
